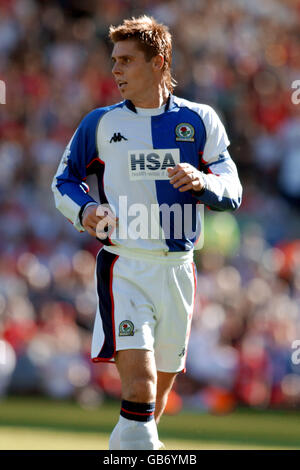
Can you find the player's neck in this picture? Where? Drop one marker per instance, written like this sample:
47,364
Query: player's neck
154,99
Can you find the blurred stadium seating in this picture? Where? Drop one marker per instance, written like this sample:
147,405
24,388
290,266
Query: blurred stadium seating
241,58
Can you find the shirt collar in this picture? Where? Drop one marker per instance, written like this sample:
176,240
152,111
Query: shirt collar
167,106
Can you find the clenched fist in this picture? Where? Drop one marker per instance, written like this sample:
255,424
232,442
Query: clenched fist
99,221
186,177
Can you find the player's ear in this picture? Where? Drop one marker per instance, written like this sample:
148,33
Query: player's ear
158,62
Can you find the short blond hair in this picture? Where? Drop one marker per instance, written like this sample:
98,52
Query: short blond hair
152,38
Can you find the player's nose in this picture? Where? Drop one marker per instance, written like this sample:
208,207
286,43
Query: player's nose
116,70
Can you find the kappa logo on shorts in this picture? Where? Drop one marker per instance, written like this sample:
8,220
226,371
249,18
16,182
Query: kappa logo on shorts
182,353
126,328
185,132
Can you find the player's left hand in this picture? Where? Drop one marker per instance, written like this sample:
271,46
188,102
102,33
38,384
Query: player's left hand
185,177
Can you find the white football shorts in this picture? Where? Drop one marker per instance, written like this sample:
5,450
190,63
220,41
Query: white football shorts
145,301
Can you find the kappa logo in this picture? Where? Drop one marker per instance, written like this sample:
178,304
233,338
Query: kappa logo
117,137
126,328
185,132
182,353
153,164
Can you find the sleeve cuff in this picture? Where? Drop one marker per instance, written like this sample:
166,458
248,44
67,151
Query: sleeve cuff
198,193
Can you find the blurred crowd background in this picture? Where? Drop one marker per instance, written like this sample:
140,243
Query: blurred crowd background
239,57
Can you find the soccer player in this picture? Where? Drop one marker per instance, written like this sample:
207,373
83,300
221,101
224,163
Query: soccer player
159,156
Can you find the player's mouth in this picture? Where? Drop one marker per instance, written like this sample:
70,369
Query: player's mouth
121,85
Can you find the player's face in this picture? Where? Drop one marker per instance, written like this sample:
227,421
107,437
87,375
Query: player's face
136,78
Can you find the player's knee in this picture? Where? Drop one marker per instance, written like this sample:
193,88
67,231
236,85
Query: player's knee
142,389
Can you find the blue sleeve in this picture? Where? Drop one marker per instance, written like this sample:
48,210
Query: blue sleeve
223,190
69,187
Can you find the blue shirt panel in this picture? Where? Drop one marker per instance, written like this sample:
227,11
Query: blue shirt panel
164,137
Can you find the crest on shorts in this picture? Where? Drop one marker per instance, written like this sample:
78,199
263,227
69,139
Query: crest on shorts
126,328
185,132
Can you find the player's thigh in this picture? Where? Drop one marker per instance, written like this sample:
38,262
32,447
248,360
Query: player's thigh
136,366
125,318
172,332
134,315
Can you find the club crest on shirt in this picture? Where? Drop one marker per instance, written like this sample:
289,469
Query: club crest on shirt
185,132
126,328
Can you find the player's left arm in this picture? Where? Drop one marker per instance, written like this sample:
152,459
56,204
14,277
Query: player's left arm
219,188
218,185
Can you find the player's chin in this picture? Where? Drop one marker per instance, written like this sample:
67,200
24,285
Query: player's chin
123,90
125,93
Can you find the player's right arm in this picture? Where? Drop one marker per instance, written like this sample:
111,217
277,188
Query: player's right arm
69,186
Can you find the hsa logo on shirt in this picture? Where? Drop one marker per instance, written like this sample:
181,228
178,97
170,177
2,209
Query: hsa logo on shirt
151,164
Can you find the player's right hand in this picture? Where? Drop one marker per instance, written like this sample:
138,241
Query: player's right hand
99,221
90,219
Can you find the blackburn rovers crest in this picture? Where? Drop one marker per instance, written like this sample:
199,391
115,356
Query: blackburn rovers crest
126,328
185,132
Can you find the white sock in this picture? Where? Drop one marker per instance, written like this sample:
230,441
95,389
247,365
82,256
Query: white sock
114,440
136,428
137,434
